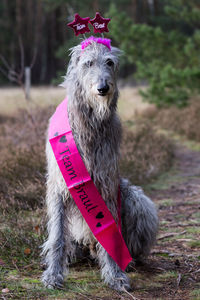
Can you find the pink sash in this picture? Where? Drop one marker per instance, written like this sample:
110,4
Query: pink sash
83,189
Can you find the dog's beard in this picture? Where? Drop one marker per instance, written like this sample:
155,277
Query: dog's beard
101,106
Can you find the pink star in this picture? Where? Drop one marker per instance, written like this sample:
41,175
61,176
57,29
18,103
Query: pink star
79,25
99,23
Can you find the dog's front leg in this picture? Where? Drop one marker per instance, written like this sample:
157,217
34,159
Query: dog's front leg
111,272
54,249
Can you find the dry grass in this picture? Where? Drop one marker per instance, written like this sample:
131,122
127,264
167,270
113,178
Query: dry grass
12,99
144,154
22,159
184,121
131,103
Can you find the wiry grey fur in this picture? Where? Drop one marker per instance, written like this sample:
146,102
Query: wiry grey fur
97,132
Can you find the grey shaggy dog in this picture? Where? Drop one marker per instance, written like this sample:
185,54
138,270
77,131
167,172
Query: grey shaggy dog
92,102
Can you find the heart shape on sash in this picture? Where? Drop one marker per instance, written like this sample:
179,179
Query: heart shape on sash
99,215
63,139
98,224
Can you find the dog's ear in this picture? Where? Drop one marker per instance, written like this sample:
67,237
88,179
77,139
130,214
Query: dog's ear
116,53
71,70
75,54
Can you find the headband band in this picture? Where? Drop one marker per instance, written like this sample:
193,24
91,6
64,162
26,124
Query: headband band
105,42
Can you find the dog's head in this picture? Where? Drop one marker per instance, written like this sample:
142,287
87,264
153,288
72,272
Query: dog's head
92,71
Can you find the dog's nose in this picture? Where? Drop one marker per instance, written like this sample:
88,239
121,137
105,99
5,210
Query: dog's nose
103,89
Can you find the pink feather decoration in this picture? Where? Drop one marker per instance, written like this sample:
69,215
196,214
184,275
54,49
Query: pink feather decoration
105,42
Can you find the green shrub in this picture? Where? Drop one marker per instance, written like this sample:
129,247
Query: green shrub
168,59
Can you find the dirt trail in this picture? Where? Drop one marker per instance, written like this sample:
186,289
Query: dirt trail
175,260
183,182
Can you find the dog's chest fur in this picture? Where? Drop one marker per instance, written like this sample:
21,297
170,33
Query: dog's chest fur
98,143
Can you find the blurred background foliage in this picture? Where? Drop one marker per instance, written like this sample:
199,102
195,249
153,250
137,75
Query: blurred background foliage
160,40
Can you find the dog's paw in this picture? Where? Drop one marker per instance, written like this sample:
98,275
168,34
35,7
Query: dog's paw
52,281
120,283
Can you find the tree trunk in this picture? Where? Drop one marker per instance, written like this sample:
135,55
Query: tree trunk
18,17
27,82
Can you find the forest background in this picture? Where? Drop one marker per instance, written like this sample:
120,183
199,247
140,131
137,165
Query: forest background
160,39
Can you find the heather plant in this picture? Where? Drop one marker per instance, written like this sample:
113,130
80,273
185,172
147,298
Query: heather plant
23,165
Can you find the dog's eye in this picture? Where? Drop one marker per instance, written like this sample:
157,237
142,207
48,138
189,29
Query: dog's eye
89,63
109,62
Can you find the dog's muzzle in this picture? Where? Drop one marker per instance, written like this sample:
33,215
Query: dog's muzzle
103,89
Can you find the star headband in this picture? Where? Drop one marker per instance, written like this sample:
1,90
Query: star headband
100,25
80,25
